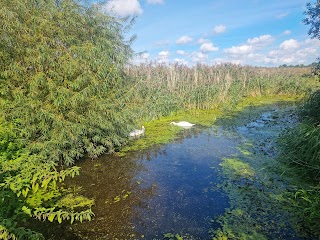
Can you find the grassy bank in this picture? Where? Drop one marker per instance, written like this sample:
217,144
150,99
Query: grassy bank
301,153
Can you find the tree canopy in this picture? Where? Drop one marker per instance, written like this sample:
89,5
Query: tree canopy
62,95
313,19
61,77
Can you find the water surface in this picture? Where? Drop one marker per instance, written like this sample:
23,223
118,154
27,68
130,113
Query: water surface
168,189
171,188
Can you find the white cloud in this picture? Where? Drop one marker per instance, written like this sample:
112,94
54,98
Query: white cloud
180,61
282,15
290,44
145,56
162,43
286,32
219,29
163,54
199,57
141,58
239,50
208,47
181,52
155,1
123,7
313,42
261,40
163,57
203,40
184,40
250,52
303,52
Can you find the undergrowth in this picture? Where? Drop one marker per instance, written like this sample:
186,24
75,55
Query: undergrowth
301,152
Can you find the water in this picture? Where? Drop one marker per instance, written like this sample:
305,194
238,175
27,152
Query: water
171,189
167,189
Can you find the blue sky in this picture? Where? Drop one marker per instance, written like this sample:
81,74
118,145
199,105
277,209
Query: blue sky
246,32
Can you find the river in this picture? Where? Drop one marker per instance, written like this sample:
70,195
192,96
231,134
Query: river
184,186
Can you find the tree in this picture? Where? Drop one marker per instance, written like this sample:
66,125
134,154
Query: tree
313,19
61,77
62,95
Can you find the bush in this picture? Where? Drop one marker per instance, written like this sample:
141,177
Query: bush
61,77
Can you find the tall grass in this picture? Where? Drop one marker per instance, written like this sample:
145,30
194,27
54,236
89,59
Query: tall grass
301,152
160,89
302,144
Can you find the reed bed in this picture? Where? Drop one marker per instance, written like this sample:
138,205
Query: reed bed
160,89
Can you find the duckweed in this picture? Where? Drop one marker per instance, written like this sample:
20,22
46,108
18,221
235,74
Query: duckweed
234,166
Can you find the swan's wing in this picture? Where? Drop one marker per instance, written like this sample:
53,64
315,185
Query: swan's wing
133,133
184,123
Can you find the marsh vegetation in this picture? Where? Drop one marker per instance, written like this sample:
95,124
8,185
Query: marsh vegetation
68,92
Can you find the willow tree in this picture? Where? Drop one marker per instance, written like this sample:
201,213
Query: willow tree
61,77
313,19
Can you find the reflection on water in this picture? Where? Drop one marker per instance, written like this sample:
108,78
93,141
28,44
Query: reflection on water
169,189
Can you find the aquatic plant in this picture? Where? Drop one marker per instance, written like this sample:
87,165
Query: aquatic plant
255,181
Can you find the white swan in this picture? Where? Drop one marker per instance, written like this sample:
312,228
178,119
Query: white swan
182,124
137,132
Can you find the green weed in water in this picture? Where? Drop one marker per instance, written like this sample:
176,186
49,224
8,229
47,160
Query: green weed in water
159,131
257,194
234,166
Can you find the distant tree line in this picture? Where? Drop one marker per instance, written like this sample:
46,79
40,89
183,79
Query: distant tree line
312,65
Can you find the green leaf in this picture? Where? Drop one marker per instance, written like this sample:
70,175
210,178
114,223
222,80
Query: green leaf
25,192
26,210
59,218
51,217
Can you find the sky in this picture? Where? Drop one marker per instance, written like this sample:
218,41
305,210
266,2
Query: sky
246,32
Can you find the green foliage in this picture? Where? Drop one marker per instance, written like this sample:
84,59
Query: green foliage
312,18
62,77
29,187
9,147
310,110
301,152
307,202
19,233
301,145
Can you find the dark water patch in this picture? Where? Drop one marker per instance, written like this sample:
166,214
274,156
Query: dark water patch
167,189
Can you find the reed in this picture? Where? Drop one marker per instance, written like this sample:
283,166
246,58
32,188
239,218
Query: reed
160,89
